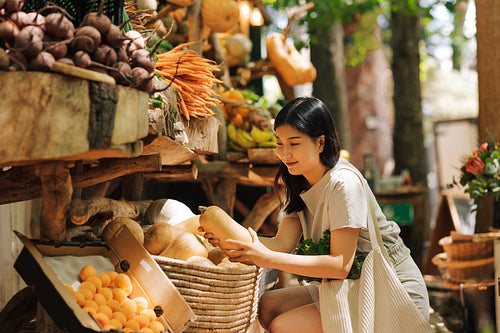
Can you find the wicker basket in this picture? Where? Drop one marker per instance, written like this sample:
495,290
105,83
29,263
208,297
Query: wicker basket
456,272
467,248
224,299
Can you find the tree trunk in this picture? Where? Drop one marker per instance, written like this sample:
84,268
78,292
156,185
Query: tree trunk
330,86
408,137
488,58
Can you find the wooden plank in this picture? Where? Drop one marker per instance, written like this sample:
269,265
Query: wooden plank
107,170
202,135
172,152
48,116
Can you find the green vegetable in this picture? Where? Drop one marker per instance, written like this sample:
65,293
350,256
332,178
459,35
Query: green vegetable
308,247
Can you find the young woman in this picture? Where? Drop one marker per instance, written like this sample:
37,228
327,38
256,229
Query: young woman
323,192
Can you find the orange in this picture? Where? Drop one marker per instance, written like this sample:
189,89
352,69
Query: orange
90,303
105,279
96,281
156,326
101,318
88,285
146,330
119,294
115,323
134,325
142,320
86,293
112,275
108,327
148,313
113,304
99,299
142,303
90,310
79,297
69,287
127,330
103,308
128,307
120,317
123,281
86,272
106,292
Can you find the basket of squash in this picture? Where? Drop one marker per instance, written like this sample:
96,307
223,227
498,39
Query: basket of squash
223,295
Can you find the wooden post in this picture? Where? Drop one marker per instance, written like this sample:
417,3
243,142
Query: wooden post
488,57
56,197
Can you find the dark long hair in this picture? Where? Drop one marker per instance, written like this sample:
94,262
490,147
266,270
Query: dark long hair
310,116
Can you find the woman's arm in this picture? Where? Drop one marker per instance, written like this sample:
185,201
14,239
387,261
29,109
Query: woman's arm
334,266
287,238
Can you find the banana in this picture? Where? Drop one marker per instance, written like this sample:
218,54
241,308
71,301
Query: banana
236,147
231,132
267,144
259,135
244,139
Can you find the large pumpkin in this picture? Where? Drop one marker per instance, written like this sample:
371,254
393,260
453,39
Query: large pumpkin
288,62
220,15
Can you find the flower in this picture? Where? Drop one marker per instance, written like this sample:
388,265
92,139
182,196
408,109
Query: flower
480,172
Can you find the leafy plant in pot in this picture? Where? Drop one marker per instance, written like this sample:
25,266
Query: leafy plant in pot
480,174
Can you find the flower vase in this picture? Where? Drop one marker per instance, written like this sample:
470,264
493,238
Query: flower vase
496,214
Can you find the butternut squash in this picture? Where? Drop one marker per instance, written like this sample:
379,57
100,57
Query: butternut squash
159,236
199,260
216,221
288,62
184,246
113,226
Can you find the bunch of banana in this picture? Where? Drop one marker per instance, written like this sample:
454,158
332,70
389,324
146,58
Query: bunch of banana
241,140
264,138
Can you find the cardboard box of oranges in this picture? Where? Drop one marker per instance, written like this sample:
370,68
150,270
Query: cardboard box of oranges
102,287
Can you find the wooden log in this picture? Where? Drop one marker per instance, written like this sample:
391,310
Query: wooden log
19,310
195,26
264,206
56,112
202,135
172,152
56,197
80,211
107,170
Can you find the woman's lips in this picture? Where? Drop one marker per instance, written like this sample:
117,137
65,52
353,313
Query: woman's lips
290,164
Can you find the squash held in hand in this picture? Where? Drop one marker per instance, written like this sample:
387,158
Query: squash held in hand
216,221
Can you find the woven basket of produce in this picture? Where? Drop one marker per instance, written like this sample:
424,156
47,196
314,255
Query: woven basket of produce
456,272
468,247
224,299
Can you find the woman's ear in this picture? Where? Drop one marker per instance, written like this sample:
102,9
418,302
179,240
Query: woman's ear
321,142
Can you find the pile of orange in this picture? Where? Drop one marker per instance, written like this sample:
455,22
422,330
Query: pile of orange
106,296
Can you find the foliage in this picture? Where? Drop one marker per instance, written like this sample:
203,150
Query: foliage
480,172
308,247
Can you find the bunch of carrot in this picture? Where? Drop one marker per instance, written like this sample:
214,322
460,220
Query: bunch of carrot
192,75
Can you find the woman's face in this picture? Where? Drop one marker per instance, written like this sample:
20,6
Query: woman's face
300,153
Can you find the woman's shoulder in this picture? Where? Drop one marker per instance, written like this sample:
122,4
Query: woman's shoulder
345,172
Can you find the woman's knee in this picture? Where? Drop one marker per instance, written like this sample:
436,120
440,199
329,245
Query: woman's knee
266,310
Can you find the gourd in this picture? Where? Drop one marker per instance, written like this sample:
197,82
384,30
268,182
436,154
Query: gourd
288,62
184,246
113,226
159,236
199,260
237,48
220,15
216,221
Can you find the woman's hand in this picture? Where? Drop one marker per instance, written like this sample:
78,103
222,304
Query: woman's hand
210,237
254,253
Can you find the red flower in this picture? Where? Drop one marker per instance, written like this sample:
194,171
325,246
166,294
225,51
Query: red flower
483,147
475,165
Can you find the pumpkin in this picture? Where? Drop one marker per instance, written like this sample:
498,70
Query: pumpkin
220,15
184,246
216,221
113,226
288,62
167,210
159,236
237,48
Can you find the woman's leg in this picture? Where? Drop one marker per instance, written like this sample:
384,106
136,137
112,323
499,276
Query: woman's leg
289,308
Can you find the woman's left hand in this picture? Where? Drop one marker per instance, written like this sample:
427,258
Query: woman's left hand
254,253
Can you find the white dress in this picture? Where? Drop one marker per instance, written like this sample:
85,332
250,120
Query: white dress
338,201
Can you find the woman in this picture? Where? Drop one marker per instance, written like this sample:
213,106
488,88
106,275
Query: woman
323,192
